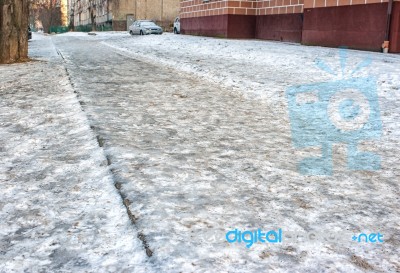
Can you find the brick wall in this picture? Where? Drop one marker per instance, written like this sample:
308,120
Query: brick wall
354,23
280,20
198,8
336,3
273,7
354,26
395,29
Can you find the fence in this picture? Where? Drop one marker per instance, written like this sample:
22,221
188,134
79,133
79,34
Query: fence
85,28
88,28
58,29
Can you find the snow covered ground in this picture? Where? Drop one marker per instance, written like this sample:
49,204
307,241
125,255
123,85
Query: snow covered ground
59,209
253,67
197,134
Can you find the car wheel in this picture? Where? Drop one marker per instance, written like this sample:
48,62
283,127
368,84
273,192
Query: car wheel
130,32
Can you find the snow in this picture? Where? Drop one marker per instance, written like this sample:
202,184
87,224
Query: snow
253,65
197,134
59,209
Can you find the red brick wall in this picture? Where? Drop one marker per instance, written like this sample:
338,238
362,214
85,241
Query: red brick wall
335,3
198,8
201,18
280,27
227,26
357,26
395,29
273,7
205,25
241,26
354,23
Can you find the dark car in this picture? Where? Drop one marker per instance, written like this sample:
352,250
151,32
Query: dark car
29,33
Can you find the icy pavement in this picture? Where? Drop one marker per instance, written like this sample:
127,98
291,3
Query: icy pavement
59,209
258,69
195,157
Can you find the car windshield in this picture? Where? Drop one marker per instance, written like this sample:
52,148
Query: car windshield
147,24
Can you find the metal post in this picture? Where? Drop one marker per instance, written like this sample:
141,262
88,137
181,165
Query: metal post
386,43
389,16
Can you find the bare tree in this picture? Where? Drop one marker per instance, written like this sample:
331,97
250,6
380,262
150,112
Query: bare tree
47,12
92,13
13,30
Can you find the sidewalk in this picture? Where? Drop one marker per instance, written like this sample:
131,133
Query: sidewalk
199,143
199,160
59,209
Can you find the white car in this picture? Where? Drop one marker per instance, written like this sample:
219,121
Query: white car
177,25
144,27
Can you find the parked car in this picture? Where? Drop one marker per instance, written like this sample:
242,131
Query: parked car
177,25
144,27
29,33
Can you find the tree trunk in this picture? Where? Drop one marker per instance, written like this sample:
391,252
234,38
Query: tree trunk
93,17
51,16
93,21
14,16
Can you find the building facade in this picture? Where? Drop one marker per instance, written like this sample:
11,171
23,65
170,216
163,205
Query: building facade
120,14
361,24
